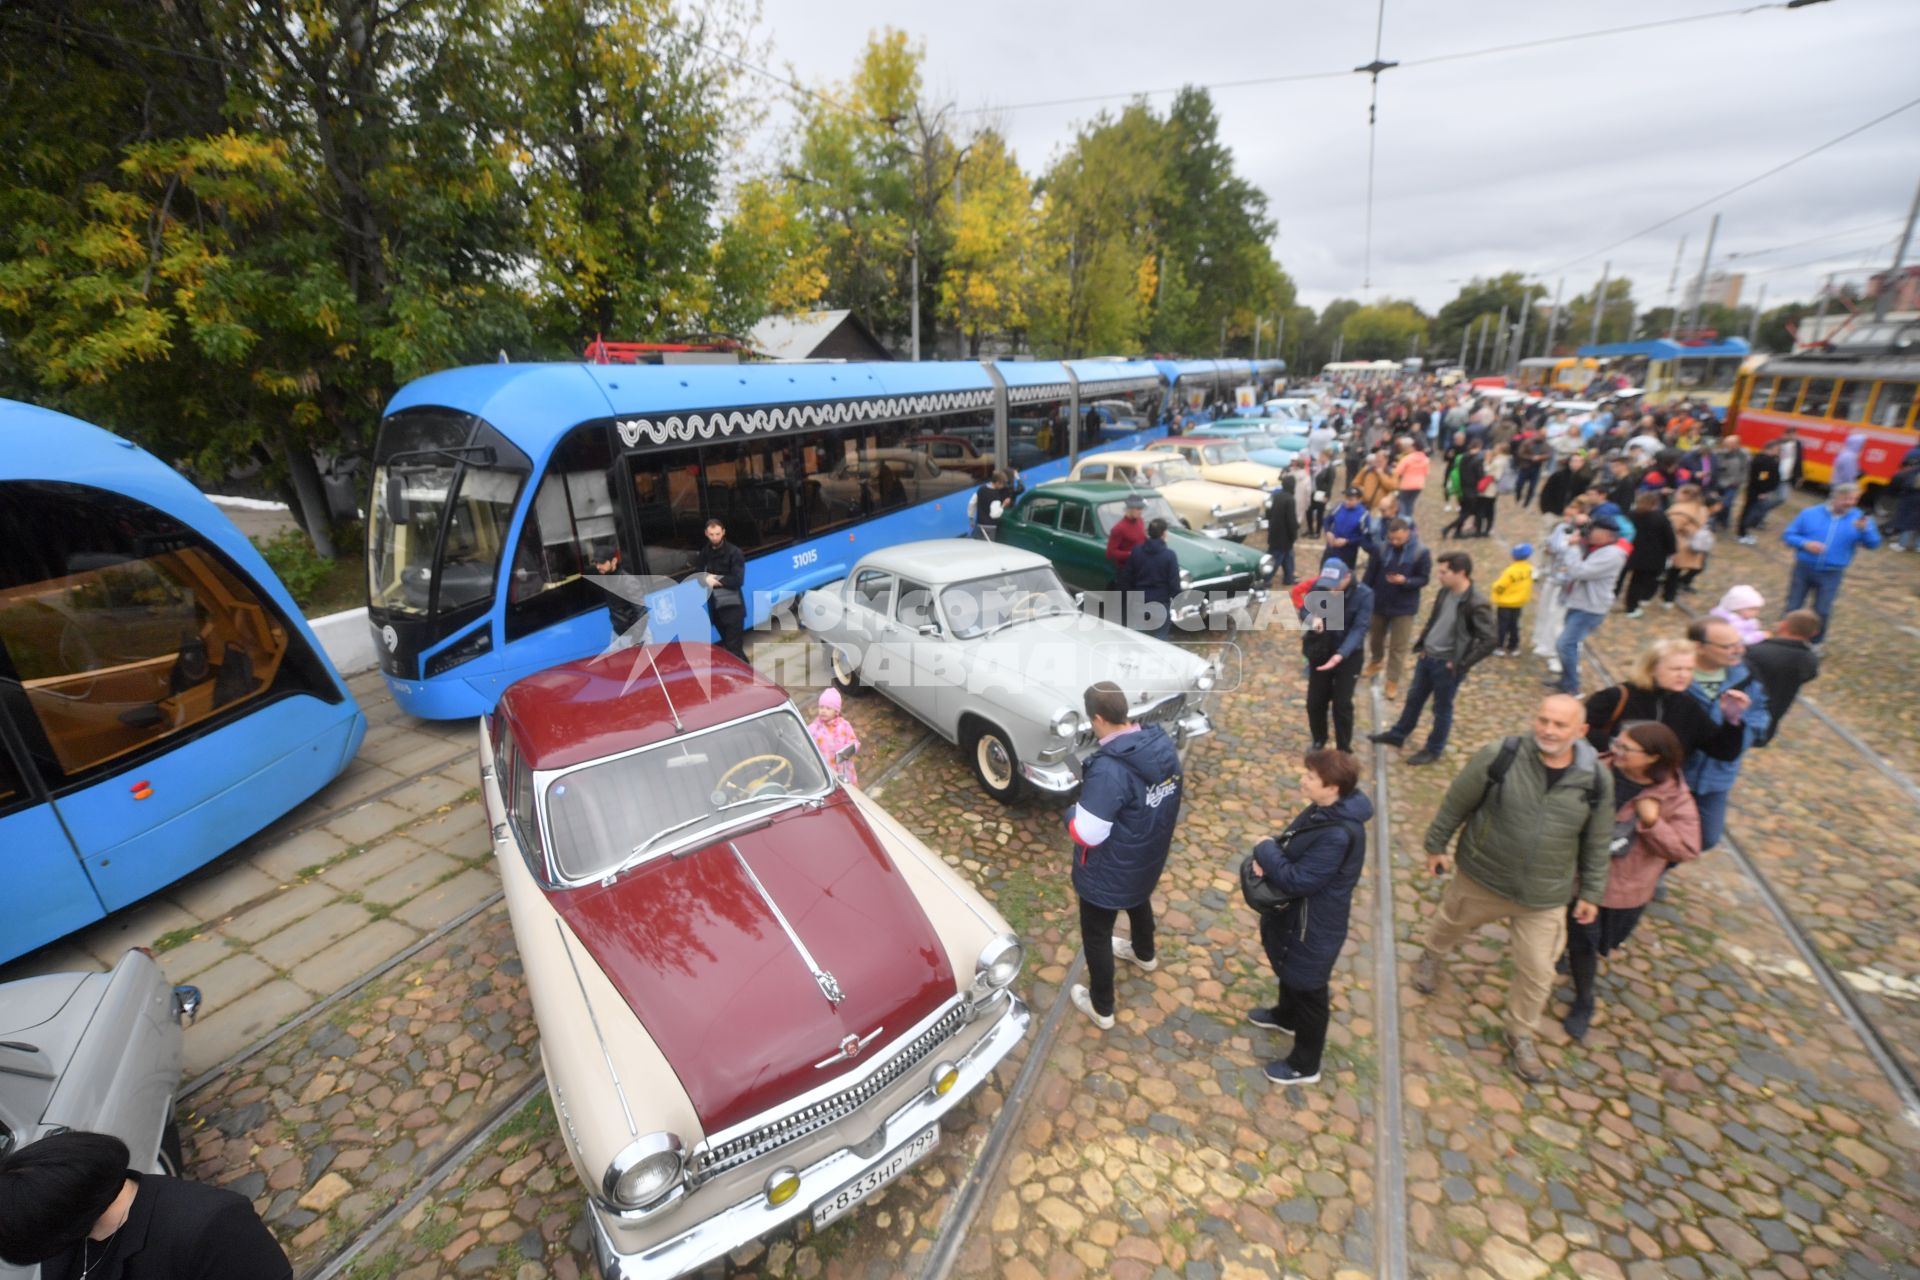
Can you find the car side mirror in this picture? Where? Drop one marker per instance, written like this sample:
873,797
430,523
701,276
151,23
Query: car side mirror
186,1005
929,628
1080,598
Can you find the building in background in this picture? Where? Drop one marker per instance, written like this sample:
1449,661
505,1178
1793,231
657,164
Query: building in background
1721,289
817,335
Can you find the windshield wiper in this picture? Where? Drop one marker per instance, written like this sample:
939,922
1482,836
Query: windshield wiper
655,838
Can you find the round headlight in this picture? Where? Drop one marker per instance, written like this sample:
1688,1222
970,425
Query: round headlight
999,962
943,1078
645,1172
1186,580
1266,566
1065,723
782,1183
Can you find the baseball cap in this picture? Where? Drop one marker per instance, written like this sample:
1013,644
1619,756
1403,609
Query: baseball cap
1353,491
1333,573
1605,513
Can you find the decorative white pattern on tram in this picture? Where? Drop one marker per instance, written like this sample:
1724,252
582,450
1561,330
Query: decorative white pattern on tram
798,417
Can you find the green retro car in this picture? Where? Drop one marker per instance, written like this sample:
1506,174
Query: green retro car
1068,522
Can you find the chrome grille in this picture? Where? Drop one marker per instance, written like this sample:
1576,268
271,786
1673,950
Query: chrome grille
1165,711
714,1161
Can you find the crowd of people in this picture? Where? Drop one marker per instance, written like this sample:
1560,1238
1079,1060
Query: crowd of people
1565,831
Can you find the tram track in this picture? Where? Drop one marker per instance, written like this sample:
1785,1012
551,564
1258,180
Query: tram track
1389,1148
1885,1058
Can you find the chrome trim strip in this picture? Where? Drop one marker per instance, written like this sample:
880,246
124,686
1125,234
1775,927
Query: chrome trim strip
633,1130
829,985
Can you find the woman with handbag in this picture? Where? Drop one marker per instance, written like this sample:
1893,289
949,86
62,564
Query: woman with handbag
1656,825
1301,882
1689,513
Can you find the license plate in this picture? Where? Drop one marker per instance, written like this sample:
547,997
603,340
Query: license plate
903,1158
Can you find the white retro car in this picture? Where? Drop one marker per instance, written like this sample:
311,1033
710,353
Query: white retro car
984,644
1217,510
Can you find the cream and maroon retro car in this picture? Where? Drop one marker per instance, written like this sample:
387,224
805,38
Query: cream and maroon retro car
757,992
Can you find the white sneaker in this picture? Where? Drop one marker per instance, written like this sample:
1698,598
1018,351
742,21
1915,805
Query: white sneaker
1123,950
1083,1001
1553,665
1666,604
1746,542
1634,613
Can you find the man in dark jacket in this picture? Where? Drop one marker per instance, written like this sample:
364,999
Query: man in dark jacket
1763,490
1152,581
1315,862
722,569
1473,469
1785,661
1398,568
990,502
1531,840
1122,828
1564,485
1458,635
1336,613
1283,525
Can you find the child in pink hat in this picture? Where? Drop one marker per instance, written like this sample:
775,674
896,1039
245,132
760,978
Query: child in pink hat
834,735
1741,606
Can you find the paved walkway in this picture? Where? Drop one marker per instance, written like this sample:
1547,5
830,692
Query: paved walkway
1719,1120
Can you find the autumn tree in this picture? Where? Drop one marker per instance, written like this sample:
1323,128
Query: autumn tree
1099,229
1390,329
995,251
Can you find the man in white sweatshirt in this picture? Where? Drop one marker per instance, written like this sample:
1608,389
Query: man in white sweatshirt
1590,567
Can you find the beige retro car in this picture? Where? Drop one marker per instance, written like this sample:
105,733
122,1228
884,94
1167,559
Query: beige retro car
1217,510
757,992
1224,460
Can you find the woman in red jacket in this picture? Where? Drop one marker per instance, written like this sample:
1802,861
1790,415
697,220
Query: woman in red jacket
1655,825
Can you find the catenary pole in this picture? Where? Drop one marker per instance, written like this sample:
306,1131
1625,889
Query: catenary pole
1599,303
1892,281
1700,284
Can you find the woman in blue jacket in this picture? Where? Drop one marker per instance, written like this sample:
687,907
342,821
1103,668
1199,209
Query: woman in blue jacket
1316,862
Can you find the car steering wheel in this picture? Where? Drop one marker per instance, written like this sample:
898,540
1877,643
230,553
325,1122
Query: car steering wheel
1031,603
778,773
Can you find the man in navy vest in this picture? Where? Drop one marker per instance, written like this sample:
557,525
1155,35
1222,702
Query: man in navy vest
1122,828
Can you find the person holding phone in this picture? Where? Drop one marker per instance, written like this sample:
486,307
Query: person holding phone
1735,699
833,733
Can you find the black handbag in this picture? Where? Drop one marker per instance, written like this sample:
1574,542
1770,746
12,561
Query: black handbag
1258,890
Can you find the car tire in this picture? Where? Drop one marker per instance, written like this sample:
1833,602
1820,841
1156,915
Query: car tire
173,1161
841,672
995,763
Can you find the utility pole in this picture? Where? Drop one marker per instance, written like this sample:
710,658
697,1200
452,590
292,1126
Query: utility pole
1223,337
1480,347
1700,285
1257,322
1892,280
1553,316
1526,309
1466,331
1753,321
1599,304
1820,316
1673,281
916,293
1500,341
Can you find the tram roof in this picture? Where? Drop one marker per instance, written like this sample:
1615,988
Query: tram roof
535,404
1667,349
40,444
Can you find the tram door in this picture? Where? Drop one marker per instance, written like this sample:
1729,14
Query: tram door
50,893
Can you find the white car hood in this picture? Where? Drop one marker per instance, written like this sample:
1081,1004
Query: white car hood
1063,654
1206,494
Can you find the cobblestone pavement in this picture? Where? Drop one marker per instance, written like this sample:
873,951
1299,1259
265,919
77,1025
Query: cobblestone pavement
1719,1120
1858,895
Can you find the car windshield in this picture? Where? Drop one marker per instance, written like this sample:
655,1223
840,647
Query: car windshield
602,816
1232,451
1158,508
1168,472
982,605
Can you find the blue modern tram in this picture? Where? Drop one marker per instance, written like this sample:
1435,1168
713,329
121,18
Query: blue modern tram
161,697
507,496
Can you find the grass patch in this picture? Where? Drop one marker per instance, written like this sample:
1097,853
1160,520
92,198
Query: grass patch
378,910
437,1233
384,1267
533,1120
1551,1159
175,938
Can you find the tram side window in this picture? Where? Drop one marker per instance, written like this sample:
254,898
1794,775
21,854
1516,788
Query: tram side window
1893,404
13,790
1819,394
666,492
752,487
121,625
569,534
1851,400
1785,392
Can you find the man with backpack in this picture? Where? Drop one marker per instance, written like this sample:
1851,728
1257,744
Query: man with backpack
1535,818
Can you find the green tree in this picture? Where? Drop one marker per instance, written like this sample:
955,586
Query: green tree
1777,326
987,285
766,260
1098,227
1479,303
1390,329
1576,318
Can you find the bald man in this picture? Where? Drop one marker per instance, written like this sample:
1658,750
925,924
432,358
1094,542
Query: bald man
1535,815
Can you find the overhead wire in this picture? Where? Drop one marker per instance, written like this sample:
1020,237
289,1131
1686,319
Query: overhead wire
1373,114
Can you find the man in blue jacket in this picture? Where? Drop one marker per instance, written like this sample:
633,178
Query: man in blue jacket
1736,700
1823,539
1398,568
1346,530
1336,613
1122,828
1152,580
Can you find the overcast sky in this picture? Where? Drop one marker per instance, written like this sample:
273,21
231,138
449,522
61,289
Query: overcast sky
1523,160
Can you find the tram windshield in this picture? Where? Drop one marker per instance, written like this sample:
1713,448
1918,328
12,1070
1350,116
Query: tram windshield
444,488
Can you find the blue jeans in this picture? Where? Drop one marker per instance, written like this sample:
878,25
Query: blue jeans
1430,676
1822,584
1713,817
1579,625
1406,498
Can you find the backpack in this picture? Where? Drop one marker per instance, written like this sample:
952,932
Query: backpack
1502,763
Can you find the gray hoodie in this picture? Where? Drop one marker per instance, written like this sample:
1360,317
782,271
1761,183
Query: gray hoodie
1590,578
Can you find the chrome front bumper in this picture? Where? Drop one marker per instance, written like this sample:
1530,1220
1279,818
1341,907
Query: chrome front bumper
1236,529
750,1219
1064,775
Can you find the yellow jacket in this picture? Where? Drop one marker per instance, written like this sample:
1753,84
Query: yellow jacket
1514,587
